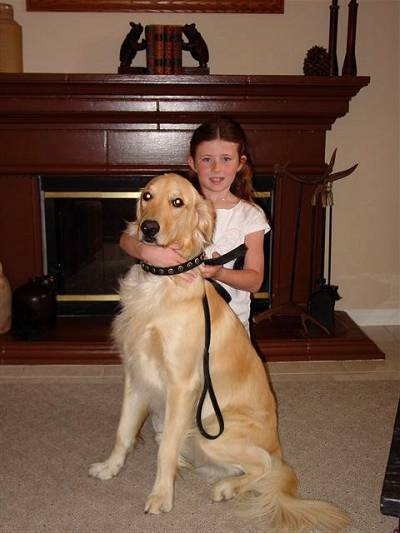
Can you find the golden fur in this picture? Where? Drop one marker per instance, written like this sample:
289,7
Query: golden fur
160,335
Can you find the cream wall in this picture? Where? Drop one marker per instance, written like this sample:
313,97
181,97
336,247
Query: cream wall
366,263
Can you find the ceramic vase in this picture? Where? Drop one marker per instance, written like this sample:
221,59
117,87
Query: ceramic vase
10,40
34,307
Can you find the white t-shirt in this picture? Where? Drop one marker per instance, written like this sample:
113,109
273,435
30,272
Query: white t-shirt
231,228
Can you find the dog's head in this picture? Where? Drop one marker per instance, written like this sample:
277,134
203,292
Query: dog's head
171,210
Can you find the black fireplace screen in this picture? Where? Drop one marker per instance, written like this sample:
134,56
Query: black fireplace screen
83,218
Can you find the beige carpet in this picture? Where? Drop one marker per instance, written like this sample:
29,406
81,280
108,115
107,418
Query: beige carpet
336,434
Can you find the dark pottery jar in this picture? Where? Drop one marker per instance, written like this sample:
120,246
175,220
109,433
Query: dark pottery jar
34,307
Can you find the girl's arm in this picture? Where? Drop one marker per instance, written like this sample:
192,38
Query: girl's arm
252,275
154,255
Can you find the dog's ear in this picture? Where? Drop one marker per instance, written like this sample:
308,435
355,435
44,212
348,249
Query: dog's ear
206,213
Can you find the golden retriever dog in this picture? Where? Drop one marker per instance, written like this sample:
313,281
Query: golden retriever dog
160,334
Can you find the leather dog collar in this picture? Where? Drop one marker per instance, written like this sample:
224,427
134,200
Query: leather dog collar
239,251
172,270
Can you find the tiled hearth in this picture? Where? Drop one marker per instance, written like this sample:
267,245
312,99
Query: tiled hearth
386,337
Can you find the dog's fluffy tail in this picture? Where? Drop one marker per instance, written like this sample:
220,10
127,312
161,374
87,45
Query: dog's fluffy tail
273,497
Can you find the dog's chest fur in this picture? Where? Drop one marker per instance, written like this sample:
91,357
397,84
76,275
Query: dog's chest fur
158,313
147,298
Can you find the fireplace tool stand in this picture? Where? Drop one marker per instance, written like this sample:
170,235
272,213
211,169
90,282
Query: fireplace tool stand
323,194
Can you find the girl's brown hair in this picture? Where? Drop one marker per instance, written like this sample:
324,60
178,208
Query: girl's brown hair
229,130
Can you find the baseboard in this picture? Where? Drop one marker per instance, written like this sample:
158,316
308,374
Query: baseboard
375,317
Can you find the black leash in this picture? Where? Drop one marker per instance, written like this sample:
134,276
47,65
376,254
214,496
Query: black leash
208,386
236,253
239,251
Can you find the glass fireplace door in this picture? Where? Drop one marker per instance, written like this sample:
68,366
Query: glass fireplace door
83,218
82,232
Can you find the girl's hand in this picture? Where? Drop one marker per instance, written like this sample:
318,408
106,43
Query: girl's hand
211,271
156,255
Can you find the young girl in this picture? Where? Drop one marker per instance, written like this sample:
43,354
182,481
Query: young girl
222,171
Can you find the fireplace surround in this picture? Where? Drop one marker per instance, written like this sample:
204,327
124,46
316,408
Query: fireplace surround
116,125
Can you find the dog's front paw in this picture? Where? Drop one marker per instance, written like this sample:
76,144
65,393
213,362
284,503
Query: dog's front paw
106,470
159,503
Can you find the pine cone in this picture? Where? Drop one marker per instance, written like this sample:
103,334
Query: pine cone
316,62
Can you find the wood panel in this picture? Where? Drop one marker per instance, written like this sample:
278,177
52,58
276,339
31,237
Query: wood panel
51,149
271,145
20,228
131,149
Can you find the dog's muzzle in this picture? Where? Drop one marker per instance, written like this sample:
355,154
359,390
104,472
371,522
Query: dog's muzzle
149,228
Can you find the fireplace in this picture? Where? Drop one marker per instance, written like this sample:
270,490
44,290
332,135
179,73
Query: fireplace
118,126
82,220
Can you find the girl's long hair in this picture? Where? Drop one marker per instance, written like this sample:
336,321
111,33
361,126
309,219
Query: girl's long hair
226,129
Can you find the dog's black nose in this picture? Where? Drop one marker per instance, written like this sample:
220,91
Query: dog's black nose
149,228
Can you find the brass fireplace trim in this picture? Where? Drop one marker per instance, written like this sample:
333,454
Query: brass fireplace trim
92,194
260,295
117,195
87,298
116,298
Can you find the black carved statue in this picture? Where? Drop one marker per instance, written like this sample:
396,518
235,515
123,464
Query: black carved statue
130,45
196,45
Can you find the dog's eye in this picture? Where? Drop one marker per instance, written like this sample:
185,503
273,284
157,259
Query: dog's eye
177,202
146,196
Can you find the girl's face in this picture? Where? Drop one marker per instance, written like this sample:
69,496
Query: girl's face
216,164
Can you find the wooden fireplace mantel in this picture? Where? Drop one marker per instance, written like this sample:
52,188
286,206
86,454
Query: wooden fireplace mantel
98,114
117,124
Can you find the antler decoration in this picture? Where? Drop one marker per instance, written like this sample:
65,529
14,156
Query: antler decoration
323,189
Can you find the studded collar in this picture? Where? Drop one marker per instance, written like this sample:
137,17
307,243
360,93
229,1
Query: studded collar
172,270
236,253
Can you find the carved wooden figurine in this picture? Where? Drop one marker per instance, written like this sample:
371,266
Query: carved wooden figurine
350,63
333,27
196,45
130,45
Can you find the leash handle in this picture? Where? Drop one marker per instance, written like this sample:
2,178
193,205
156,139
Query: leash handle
208,386
239,251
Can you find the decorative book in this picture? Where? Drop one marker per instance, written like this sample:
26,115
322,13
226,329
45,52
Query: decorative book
164,49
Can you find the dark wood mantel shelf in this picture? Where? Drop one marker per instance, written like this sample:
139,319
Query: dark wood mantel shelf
113,124
104,116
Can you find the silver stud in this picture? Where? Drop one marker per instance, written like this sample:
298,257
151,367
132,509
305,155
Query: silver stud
170,271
